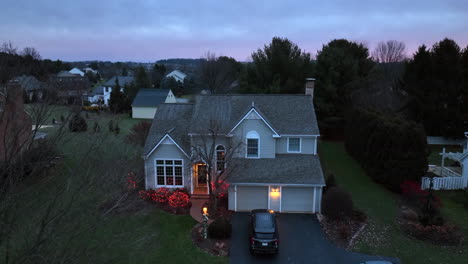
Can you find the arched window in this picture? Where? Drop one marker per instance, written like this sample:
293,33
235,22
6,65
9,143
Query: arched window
220,157
253,142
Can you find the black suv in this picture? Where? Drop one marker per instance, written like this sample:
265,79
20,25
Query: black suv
263,232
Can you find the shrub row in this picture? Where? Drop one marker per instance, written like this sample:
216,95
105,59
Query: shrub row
175,198
447,234
390,149
220,228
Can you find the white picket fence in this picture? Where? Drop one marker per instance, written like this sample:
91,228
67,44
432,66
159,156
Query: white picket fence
445,183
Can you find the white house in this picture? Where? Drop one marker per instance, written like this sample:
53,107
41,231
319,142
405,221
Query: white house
177,75
102,93
146,102
77,71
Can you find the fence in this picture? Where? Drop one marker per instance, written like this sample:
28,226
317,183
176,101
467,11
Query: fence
445,183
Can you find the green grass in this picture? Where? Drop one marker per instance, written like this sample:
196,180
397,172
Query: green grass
382,236
434,157
154,237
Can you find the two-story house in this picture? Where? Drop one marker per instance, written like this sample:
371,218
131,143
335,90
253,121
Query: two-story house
277,163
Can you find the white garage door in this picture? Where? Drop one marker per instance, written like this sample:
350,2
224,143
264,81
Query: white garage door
252,197
297,199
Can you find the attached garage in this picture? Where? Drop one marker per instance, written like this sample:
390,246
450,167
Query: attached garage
297,199
252,197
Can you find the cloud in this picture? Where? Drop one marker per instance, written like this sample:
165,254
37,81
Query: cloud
149,30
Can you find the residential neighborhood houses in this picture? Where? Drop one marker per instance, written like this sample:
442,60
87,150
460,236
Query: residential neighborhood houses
177,75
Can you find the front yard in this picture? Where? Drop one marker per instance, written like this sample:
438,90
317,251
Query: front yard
383,236
148,236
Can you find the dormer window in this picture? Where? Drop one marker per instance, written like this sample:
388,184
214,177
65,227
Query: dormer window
294,144
253,142
220,158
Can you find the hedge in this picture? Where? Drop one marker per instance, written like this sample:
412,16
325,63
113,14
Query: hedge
390,149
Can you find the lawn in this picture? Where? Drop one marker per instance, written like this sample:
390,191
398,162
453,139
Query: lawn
148,237
382,236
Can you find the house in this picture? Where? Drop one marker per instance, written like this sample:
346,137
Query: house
69,87
278,167
32,87
177,75
15,122
146,102
77,72
101,94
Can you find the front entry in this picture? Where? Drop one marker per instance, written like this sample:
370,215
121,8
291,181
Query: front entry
201,175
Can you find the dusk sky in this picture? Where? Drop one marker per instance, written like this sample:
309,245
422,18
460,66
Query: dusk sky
145,31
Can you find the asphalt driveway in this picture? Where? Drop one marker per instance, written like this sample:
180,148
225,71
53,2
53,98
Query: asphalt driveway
301,241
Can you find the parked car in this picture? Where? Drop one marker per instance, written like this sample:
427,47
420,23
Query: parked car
263,232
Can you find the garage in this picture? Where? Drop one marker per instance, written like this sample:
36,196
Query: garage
297,199
252,197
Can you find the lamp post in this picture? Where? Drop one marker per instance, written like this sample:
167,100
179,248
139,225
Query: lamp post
205,222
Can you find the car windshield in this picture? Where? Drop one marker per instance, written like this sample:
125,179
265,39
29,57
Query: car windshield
264,221
264,235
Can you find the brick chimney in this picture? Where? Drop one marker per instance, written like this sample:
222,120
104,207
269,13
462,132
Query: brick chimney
309,87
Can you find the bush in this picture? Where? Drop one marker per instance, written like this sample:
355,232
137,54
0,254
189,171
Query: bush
220,228
330,182
337,204
138,133
77,124
391,150
179,199
161,195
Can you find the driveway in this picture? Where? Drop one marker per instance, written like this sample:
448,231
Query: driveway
301,241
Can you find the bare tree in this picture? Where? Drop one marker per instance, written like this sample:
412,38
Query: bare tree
390,51
8,48
31,52
218,74
220,163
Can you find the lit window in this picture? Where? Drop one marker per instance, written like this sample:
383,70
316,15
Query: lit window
220,157
252,144
169,173
294,144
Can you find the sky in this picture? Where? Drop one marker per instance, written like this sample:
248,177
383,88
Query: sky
146,31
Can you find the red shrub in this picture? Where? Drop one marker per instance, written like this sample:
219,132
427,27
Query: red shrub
179,199
146,195
447,234
416,196
131,181
161,195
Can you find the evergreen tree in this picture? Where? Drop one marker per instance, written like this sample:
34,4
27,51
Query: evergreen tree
141,78
280,67
434,80
341,68
157,74
118,101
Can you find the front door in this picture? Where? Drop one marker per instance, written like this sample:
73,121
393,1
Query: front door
201,175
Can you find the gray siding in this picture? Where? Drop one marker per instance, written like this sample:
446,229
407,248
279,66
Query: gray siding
166,151
318,200
267,142
307,145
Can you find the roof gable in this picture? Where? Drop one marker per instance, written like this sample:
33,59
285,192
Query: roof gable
253,114
167,139
150,97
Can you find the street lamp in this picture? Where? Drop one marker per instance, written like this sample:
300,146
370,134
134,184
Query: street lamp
205,222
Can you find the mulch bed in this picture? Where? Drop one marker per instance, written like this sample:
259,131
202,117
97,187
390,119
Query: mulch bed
131,203
342,232
215,247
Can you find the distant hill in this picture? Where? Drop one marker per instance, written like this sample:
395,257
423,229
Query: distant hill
181,62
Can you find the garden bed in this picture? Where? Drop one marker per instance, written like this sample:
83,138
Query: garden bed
215,247
343,232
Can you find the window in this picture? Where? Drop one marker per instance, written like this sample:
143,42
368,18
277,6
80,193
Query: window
169,173
220,158
294,144
252,144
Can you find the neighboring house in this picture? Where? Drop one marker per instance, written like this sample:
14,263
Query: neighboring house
99,96
69,87
146,102
102,93
90,70
177,75
277,163
77,71
32,86
15,122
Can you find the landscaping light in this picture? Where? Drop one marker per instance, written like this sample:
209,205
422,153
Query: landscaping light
271,211
205,210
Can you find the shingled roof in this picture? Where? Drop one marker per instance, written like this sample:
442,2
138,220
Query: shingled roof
287,114
123,80
150,97
283,169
